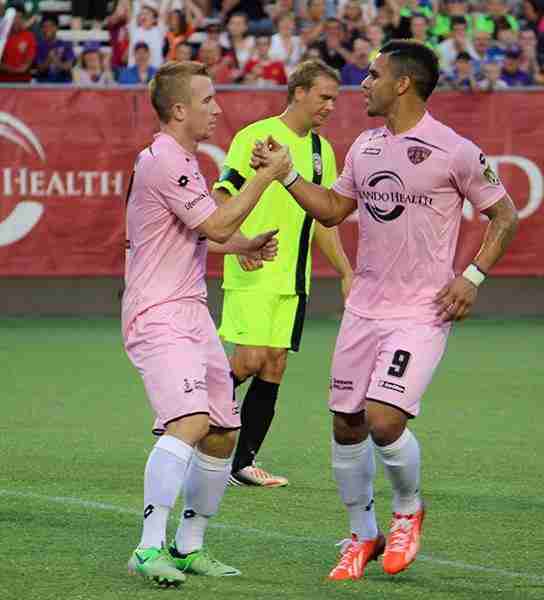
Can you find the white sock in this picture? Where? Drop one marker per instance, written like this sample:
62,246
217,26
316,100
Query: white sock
205,486
354,470
164,475
401,461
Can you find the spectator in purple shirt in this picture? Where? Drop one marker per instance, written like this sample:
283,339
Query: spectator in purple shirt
356,70
55,58
511,74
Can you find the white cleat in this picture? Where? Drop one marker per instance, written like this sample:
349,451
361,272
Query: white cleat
255,476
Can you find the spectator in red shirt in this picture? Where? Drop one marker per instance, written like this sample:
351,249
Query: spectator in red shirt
19,51
116,23
261,69
222,69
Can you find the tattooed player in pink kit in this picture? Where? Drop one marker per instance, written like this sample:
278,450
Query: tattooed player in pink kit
408,180
167,330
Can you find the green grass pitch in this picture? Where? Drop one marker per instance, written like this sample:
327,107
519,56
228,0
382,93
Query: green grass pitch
74,437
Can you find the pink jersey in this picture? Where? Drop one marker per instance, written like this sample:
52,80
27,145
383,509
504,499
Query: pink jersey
409,190
166,257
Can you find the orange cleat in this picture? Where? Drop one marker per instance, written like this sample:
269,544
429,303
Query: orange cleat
355,556
403,541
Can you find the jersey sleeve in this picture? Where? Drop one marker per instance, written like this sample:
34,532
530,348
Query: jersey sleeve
186,195
330,173
236,168
345,184
474,176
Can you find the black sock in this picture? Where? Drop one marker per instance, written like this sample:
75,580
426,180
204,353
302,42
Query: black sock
257,414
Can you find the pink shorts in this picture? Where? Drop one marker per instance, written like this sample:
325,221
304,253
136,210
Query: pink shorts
177,351
387,360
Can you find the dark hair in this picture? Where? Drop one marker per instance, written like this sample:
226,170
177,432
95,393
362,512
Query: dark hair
538,7
182,24
458,20
415,60
463,56
305,74
18,6
419,15
502,23
52,18
238,13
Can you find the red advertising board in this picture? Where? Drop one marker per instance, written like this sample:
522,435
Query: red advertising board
66,157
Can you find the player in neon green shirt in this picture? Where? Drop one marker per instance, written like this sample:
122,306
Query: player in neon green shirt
264,305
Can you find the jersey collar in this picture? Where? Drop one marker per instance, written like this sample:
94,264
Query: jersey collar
422,123
162,135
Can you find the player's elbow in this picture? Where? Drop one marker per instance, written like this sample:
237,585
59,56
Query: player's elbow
219,235
216,229
330,221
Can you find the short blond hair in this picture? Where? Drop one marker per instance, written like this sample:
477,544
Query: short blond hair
305,74
171,84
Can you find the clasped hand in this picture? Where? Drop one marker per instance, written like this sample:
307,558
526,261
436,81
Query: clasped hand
266,154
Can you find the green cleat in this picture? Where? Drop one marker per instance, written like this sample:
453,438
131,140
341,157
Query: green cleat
155,564
201,563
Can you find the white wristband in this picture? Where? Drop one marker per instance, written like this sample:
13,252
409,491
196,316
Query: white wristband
291,178
473,274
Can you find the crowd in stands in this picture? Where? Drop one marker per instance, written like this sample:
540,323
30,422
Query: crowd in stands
482,44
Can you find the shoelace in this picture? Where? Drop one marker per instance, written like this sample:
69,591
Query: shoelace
400,534
348,547
258,472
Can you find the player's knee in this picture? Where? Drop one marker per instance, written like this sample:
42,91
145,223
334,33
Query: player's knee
349,429
219,442
249,362
385,422
229,441
275,364
191,429
385,432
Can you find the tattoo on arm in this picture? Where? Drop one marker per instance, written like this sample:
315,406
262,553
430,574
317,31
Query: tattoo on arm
499,233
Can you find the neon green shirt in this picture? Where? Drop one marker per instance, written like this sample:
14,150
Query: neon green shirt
442,25
484,22
290,272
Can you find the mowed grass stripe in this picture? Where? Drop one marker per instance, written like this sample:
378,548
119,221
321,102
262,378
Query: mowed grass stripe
252,532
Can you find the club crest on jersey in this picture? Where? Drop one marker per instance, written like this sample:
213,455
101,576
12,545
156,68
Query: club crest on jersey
318,165
490,175
417,154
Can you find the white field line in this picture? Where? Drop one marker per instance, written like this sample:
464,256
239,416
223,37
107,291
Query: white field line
101,506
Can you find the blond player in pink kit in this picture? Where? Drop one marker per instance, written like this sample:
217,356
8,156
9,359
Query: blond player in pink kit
408,180
169,336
